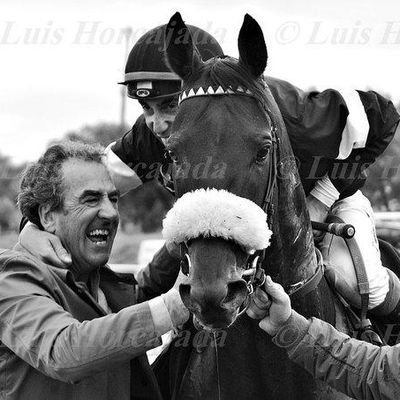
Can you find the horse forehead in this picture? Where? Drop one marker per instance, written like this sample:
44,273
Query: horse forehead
217,117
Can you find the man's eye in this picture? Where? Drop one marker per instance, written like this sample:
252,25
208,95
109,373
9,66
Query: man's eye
173,105
114,199
91,200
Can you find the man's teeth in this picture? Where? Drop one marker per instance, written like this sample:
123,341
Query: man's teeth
99,236
99,232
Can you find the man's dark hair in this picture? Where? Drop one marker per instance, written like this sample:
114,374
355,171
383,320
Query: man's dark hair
42,182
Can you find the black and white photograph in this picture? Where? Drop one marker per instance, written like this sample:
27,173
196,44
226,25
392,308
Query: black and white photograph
199,200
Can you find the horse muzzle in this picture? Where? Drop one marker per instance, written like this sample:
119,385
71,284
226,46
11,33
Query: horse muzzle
215,306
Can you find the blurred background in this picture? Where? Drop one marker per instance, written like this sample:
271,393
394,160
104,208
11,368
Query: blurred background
60,63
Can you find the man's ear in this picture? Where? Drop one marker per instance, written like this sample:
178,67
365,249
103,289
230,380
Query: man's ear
47,218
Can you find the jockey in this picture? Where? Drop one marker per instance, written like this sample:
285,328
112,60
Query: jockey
335,137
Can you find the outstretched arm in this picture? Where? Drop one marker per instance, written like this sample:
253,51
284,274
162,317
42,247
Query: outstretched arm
44,334
358,369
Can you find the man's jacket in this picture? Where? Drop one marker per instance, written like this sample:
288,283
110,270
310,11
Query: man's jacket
331,133
57,342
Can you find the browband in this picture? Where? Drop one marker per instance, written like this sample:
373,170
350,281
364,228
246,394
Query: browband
213,91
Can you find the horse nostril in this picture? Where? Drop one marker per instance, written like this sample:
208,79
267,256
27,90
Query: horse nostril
191,303
235,289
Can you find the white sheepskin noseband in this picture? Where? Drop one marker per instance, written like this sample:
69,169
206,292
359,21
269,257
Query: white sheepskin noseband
217,213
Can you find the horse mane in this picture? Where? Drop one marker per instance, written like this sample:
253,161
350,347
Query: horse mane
229,73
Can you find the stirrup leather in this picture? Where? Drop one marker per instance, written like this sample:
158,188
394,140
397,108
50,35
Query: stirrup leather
362,326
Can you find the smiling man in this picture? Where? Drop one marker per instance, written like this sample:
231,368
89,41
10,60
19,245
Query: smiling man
76,333
89,218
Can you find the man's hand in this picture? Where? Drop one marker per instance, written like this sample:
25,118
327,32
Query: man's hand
45,246
272,304
178,313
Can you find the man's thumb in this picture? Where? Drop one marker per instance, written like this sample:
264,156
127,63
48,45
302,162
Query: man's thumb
273,289
62,254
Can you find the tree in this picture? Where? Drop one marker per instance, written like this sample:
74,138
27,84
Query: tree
9,215
383,182
146,206
103,133
9,183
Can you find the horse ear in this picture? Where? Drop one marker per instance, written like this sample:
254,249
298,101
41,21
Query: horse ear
182,55
252,49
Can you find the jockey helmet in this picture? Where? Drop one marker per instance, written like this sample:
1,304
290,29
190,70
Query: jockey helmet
147,75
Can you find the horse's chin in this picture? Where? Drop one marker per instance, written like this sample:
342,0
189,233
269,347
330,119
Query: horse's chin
212,326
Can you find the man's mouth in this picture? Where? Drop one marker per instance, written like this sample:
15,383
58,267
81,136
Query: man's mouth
99,236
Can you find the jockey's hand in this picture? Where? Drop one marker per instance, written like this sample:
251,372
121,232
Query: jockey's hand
318,212
45,246
272,305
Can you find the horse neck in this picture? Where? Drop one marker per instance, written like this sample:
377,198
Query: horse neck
291,256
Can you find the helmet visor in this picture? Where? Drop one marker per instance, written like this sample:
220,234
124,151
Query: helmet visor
141,90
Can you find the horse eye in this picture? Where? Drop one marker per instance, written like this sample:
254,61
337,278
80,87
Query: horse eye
173,156
262,154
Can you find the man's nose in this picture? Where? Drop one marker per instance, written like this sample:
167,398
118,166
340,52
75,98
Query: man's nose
160,124
108,210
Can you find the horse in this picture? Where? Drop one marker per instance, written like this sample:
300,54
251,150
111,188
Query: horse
228,119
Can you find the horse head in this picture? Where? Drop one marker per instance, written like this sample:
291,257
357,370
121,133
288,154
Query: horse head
226,137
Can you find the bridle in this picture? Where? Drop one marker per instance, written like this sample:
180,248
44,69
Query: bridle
255,261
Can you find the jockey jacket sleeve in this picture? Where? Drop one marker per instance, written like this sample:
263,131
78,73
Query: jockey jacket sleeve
333,133
356,368
135,158
349,175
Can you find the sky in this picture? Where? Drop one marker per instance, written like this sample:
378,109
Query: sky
60,61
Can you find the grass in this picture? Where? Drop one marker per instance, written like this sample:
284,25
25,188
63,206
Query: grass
125,250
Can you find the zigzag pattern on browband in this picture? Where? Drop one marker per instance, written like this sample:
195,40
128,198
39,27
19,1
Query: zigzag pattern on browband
212,91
